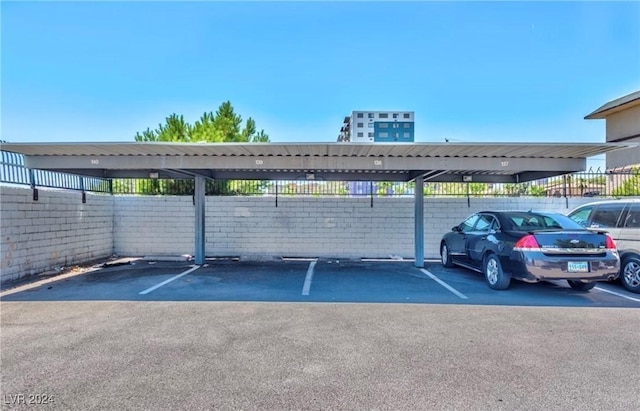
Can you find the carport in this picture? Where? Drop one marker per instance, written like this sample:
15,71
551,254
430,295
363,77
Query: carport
419,162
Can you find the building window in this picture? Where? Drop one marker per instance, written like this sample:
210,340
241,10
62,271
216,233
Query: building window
360,134
383,115
396,125
396,135
370,134
383,125
395,115
384,134
370,125
360,125
360,115
406,115
407,135
407,125
369,115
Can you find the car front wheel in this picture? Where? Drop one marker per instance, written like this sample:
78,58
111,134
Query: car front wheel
630,274
580,286
493,273
445,256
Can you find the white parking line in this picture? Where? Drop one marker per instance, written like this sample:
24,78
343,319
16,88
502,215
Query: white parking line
445,285
617,294
307,281
155,287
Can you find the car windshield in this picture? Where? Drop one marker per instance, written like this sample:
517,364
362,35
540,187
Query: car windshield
534,221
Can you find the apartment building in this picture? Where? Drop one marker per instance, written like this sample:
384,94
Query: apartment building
378,127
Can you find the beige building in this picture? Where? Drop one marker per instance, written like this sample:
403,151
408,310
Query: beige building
622,117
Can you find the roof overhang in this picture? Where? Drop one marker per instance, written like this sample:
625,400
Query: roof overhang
614,106
441,162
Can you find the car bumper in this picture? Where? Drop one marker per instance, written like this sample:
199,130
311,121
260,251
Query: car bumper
536,266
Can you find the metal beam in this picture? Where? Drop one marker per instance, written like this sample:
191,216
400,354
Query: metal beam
476,177
311,175
340,164
192,173
427,174
418,216
538,175
199,199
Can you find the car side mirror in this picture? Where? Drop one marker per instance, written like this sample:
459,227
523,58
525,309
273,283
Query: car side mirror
456,229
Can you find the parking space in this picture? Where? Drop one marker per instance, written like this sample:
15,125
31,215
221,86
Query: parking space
382,335
323,280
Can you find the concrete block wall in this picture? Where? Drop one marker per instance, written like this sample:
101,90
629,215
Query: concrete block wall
153,225
307,226
299,226
55,231
58,230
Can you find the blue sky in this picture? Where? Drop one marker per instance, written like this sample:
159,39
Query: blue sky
471,71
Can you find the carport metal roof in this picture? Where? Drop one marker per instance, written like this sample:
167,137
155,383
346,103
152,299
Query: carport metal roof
483,162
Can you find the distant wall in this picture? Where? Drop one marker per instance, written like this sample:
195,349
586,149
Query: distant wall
55,231
58,230
299,226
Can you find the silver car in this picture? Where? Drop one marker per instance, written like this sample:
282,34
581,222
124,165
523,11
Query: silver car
621,219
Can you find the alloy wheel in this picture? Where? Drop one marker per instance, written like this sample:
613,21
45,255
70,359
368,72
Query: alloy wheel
632,274
492,271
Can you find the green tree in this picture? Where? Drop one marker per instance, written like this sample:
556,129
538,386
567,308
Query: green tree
205,130
222,126
536,191
175,129
478,189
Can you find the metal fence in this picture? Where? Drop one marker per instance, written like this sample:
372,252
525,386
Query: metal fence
13,171
592,183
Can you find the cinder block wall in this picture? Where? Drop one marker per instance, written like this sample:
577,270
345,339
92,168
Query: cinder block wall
58,230
307,227
299,226
55,231
153,225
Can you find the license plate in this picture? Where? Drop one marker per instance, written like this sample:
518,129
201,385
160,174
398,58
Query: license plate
581,267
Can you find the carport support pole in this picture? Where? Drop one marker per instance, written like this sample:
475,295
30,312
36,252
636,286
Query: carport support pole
419,222
200,206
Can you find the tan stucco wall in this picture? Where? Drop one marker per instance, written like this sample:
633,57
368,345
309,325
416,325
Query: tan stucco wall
623,124
624,158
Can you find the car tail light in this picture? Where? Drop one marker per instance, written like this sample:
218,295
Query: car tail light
528,241
609,243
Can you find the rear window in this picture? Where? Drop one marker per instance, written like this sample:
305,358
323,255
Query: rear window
532,222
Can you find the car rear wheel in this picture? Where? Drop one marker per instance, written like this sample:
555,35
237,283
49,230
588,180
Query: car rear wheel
493,273
630,274
580,286
445,256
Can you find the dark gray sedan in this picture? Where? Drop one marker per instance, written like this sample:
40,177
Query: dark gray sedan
530,246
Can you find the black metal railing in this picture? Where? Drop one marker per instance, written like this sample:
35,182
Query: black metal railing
13,171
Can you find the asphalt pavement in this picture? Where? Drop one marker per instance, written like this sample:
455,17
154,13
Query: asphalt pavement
377,346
